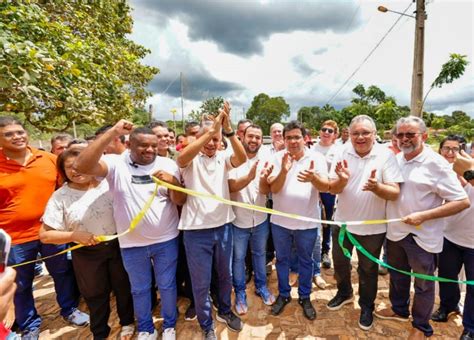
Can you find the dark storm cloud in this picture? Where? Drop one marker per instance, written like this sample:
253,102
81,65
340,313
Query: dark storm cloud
240,27
302,67
196,86
462,98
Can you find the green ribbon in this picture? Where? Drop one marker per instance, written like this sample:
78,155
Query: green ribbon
344,232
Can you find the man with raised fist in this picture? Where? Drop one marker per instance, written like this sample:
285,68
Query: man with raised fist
364,175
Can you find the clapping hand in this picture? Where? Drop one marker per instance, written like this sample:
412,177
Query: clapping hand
372,183
308,174
342,170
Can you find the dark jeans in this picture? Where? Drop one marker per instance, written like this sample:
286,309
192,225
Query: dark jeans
328,202
183,279
407,255
451,260
304,241
204,247
59,267
99,271
367,269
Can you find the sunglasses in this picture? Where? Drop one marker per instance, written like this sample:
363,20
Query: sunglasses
408,135
328,130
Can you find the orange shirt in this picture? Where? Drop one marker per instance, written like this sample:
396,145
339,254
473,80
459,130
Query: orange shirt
24,192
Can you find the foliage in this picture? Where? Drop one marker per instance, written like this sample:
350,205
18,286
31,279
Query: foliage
212,105
451,70
70,61
266,110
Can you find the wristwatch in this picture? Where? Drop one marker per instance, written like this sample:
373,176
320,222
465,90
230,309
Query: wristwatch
229,134
468,175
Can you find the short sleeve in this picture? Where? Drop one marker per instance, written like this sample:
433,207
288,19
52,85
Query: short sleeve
54,213
391,170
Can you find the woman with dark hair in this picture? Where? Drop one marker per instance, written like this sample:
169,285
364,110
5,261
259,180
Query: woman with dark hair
458,250
77,212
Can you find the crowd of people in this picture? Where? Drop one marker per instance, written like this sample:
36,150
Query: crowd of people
205,250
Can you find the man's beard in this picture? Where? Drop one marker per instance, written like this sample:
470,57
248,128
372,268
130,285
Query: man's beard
248,150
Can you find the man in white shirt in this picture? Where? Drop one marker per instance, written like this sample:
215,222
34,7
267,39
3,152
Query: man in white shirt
249,227
206,222
298,176
155,239
413,243
364,175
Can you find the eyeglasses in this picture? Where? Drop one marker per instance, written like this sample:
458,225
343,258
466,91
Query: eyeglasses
293,138
447,149
328,130
10,134
408,135
364,134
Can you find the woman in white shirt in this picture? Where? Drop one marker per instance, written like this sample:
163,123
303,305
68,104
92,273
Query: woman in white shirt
77,212
458,250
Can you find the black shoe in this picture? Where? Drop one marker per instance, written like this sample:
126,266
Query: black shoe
466,335
442,315
326,261
190,313
210,335
232,321
280,304
366,319
338,301
308,310
214,301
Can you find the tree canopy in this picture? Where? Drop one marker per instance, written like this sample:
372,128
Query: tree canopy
70,61
266,110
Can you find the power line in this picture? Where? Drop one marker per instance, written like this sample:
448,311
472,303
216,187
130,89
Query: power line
368,56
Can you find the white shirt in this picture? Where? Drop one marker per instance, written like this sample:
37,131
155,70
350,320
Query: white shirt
298,197
90,210
245,218
131,187
327,151
459,228
428,181
209,175
355,204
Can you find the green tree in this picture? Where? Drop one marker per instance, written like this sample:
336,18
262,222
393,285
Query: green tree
438,123
70,61
212,105
386,114
450,71
266,110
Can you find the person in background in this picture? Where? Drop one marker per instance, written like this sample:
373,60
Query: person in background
458,250
7,292
172,135
116,146
59,143
344,136
77,212
21,209
191,129
160,129
325,146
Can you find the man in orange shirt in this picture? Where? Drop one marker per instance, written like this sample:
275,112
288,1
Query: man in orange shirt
28,177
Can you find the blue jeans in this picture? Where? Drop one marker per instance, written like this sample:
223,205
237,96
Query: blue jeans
304,241
328,202
407,255
451,260
316,257
137,262
257,236
205,247
59,268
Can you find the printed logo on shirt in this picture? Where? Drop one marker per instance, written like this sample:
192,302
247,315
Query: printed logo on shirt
144,179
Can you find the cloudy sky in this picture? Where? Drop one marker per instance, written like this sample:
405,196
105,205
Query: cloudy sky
301,50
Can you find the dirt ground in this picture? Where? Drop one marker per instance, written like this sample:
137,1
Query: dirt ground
259,323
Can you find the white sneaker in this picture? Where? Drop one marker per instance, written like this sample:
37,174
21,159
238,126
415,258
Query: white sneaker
169,334
148,336
319,281
77,318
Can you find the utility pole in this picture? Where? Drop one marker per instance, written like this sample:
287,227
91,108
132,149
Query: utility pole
150,113
182,100
417,77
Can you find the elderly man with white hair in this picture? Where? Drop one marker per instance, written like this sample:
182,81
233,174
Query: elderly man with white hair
430,192
364,175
